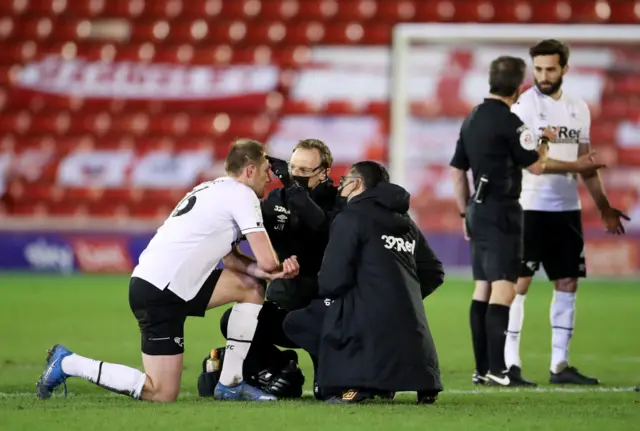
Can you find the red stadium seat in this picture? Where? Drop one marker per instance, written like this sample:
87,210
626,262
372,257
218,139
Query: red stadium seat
549,11
395,11
279,9
359,10
18,123
627,12
123,8
18,52
164,9
434,11
318,10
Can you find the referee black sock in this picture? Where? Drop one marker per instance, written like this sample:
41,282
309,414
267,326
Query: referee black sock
497,324
477,319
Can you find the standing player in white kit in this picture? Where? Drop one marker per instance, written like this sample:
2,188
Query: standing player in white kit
177,277
552,209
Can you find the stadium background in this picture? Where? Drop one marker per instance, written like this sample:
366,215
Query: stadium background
111,110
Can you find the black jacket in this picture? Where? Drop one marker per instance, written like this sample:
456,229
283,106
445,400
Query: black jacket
298,223
377,269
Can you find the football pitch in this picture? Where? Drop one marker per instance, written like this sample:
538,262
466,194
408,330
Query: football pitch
91,316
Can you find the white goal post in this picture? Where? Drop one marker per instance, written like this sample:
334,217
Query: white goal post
405,34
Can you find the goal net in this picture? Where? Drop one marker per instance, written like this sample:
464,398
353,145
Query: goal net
440,71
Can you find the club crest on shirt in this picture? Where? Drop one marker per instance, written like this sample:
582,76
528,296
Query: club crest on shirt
527,139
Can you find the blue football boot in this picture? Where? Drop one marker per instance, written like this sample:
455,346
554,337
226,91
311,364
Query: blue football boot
242,392
53,376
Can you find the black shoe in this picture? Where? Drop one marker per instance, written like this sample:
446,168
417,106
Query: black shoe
515,374
571,376
352,396
427,397
478,378
638,388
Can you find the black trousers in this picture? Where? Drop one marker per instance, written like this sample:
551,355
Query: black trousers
304,327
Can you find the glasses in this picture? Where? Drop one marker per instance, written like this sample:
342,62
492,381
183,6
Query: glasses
344,179
304,171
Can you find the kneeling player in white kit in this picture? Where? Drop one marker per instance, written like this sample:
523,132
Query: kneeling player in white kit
177,277
552,209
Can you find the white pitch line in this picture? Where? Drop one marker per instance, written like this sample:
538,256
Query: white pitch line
484,391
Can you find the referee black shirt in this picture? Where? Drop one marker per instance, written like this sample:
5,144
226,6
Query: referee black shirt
495,142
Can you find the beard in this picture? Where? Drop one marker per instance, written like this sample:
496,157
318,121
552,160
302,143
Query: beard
549,87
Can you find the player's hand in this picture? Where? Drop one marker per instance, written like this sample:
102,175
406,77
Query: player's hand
290,269
464,229
586,164
280,169
549,133
612,220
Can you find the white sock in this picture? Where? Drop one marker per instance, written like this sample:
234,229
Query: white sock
562,315
240,330
116,378
512,345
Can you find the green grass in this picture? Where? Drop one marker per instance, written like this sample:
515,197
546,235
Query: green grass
90,315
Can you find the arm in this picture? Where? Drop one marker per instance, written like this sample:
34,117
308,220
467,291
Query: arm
338,271
460,188
300,202
529,155
592,180
611,217
593,183
247,214
459,167
240,262
430,270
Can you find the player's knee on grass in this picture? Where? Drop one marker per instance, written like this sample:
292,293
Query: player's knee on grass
158,392
502,292
569,285
164,374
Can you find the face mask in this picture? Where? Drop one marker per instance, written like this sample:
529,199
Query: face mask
302,181
342,201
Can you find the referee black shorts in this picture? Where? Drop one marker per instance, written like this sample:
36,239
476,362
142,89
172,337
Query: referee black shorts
161,313
495,230
553,239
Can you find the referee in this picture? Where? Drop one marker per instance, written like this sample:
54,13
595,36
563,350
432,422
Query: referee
496,145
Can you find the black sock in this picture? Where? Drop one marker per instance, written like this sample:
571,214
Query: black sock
497,325
477,316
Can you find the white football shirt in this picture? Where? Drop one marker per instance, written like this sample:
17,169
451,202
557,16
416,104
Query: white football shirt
571,119
200,231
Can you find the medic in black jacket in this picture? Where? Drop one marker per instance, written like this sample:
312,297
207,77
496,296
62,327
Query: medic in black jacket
376,272
297,218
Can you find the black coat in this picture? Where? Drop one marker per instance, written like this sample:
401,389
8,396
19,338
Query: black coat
377,269
298,223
